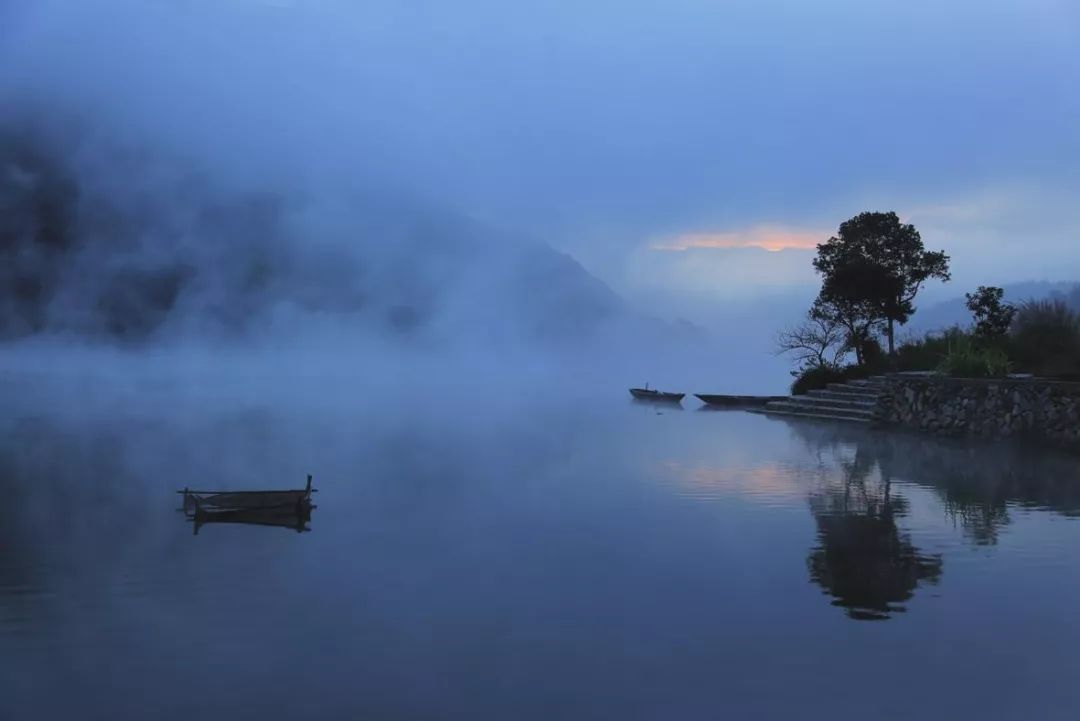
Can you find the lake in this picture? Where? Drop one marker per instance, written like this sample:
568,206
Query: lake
532,560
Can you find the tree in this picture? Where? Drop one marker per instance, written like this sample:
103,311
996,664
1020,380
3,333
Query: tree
873,268
817,341
992,317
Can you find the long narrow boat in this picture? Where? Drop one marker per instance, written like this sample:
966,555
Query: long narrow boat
736,401
215,502
655,396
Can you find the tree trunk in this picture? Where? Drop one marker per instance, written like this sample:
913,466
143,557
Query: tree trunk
892,349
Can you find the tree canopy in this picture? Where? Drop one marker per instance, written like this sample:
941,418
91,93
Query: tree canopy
872,270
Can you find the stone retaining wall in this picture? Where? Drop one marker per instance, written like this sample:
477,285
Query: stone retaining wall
1047,411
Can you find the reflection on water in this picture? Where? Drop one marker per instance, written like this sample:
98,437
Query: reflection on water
766,483
863,560
976,483
573,565
855,480
277,517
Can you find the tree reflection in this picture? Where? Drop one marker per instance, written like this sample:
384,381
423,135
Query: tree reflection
980,517
978,483
863,560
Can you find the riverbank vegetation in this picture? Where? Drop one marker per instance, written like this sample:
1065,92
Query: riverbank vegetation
872,271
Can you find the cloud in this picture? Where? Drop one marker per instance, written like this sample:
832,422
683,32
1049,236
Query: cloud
1001,233
768,237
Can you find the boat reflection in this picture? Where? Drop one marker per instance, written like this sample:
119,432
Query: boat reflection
657,405
296,519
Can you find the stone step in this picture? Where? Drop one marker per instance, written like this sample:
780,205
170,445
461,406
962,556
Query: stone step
840,400
873,383
852,390
811,415
865,399
795,406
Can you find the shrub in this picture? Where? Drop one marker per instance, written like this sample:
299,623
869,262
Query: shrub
821,376
967,360
1045,338
929,352
998,364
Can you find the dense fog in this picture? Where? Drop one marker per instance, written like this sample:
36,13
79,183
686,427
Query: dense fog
207,179
103,242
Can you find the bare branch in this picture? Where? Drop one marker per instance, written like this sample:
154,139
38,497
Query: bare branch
817,341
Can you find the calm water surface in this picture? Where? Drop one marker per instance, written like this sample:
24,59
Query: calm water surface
598,562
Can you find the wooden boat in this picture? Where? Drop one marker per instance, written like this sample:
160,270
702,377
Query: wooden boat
205,503
736,401
655,396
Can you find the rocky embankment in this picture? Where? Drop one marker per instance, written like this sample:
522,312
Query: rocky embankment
1042,410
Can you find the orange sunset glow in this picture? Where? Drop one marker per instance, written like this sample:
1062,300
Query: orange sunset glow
768,237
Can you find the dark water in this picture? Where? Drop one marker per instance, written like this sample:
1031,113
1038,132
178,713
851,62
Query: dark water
595,562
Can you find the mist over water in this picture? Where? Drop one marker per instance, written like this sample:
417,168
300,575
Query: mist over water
486,559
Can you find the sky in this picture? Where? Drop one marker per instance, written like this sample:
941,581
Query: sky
686,152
